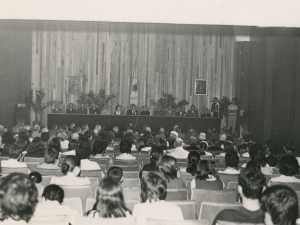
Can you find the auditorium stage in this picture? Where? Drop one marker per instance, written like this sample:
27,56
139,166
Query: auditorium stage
155,122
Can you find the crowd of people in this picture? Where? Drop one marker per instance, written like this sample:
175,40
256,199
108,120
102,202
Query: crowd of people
262,202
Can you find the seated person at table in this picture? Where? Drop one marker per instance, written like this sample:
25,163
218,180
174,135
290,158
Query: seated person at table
18,197
181,112
118,110
193,112
206,177
193,142
51,205
83,152
50,159
231,162
109,201
155,153
145,111
203,148
280,205
215,145
72,146
193,160
271,161
14,154
115,173
94,110
178,152
154,206
171,139
71,168
71,109
118,134
288,168
250,187
205,113
133,110
56,109
288,149
82,109
161,133
169,112
132,139
99,148
125,149
167,166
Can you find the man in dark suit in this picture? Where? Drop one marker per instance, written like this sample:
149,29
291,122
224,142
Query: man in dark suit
56,109
145,111
94,110
181,112
133,110
71,109
82,109
217,109
193,112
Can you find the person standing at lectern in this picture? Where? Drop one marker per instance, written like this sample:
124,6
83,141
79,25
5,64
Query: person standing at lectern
56,109
232,111
82,109
217,109
94,110
71,109
193,112
181,112
133,110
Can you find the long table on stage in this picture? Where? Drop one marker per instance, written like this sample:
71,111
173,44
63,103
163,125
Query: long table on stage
155,122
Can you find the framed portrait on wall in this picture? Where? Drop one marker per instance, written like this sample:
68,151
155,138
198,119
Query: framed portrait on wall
74,85
200,87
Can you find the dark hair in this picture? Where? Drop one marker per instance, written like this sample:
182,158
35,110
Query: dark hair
274,150
35,177
148,139
228,147
115,173
125,146
205,168
253,165
109,200
193,160
73,144
7,138
88,134
76,129
153,187
269,143
193,141
117,107
167,165
246,138
257,153
45,136
19,197
203,147
215,142
84,150
232,159
252,182
281,203
99,147
50,155
36,149
55,143
289,145
289,165
155,153
69,164
271,160
14,151
54,192
162,143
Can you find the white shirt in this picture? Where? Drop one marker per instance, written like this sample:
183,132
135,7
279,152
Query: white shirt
86,164
160,210
64,144
125,156
72,152
13,163
178,153
229,170
208,153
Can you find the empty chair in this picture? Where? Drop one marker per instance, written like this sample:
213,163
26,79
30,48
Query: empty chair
177,195
83,192
109,221
130,183
33,159
228,177
200,195
184,222
232,185
131,193
130,174
74,204
48,220
8,170
209,210
188,209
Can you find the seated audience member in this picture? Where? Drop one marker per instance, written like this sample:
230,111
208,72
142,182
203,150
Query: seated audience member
280,205
85,127
155,153
172,138
288,168
118,110
83,152
288,149
71,109
99,148
55,143
193,142
191,133
215,145
169,112
35,177
222,140
206,177
88,136
181,112
133,110
72,125
202,136
18,199
203,148
36,149
45,137
167,166
250,187
193,160
14,154
148,142
66,129
269,143
72,146
82,109
145,111
231,162
51,205
71,168
97,135
154,206
271,161
228,147
178,152
193,112
244,146
180,134
115,173
205,112
125,149
109,201
118,134
50,159
36,131
273,150
63,138
132,138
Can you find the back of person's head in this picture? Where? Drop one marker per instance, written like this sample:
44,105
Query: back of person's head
54,192
246,138
163,143
167,165
99,147
271,160
76,129
193,141
153,187
253,165
73,144
257,153
110,200
228,147
14,151
288,146
280,205
125,146
7,138
215,142
155,153
230,139
45,136
269,143
251,183
84,150
203,145
115,173
70,163
18,197
35,177
232,159
50,155
55,143
289,165
204,169
274,150
178,142
193,160
129,137
85,127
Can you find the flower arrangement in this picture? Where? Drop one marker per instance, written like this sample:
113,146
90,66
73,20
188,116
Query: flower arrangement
168,100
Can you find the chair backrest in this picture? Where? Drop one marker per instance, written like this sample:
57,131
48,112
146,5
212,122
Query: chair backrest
206,157
92,221
83,192
182,164
92,173
183,222
131,183
131,193
40,189
201,195
101,161
209,210
8,170
32,165
4,158
94,184
228,177
244,159
221,158
145,160
129,168
221,222
294,186
33,159
186,176
130,174
268,177
74,204
188,209
177,195
220,165
49,172
232,185
46,180
123,162
48,220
